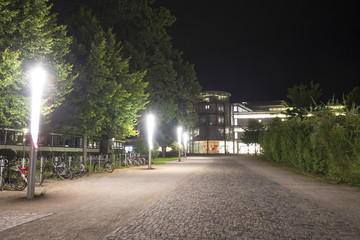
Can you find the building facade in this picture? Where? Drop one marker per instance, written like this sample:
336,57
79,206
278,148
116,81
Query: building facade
221,123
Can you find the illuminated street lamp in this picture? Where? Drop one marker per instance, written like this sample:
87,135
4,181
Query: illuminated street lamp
179,133
150,125
185,137
37,78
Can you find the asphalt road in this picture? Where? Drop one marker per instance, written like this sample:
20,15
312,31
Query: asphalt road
199,198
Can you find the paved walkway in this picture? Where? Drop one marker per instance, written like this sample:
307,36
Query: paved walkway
199,198
227,200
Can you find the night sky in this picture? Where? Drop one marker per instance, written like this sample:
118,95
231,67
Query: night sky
256,50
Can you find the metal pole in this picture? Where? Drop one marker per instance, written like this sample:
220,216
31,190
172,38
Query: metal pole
2,163
32,171
90,163
149,158
41,167
99,161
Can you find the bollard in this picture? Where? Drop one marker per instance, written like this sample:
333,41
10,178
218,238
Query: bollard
41,167
1,172
90,163
99,162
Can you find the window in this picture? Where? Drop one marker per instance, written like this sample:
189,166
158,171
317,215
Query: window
207,107
221,108
221,120
212,120
202,120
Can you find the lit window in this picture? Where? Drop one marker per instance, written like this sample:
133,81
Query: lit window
221,108
207,106
221,120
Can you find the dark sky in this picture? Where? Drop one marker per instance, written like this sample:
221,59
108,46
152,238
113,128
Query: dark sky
256,50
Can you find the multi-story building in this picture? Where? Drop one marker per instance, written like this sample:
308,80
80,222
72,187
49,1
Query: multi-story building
221,124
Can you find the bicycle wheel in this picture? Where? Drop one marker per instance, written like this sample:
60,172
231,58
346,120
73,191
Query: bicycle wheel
65,172
16,181
79,170
109,167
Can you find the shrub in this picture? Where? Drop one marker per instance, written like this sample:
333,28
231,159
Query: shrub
325,143
9,154
141,146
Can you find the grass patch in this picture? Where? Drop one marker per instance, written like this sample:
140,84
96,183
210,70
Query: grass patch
42,194
163,160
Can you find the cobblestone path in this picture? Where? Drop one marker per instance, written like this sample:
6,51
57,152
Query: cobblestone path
228,201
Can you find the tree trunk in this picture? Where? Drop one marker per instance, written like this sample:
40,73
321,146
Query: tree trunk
85,150
104,144
163,149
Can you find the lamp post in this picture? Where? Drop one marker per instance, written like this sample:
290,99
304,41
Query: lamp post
179,133
185,137
25,131
37,78
150,125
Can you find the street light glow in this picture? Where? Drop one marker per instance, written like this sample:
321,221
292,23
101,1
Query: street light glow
37,77
150,125
185,137
179,133
150,122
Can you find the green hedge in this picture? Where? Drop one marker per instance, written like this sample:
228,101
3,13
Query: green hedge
324,143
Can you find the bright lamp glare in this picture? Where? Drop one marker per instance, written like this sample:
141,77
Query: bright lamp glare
185,137
150,122
179,132
37,77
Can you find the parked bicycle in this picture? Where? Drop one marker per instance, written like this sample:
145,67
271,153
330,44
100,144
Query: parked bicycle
78,167
108,166
10,176
56,168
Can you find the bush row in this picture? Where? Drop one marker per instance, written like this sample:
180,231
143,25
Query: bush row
324,143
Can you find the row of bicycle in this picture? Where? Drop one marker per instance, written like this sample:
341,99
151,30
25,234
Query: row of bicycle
14,173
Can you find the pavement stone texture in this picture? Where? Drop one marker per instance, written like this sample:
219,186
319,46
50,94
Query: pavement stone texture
226,200
15,218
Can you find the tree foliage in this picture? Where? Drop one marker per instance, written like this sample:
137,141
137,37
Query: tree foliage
252,132
106,98
303,98
29,35
352,99
325,143
142,29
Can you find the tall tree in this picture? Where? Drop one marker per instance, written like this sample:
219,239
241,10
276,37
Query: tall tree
352,99
29,34
303,99
142,29
106,97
